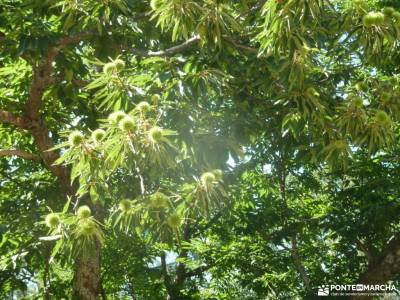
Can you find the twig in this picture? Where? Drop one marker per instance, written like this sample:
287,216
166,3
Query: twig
167,52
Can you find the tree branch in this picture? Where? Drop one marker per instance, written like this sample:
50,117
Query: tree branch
185,46
20,153
41,80
386,267
164,272
42,74
364,249
80,83
167,52
240,46
9,118
196,272
297,262
383,268
132,289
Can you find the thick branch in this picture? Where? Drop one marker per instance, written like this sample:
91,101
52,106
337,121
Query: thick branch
164,269
299,266
9,118
42,74
164,272
181,270
41,80
364,249
382,269
386,267
20,153
196,272
132,291
167,52
67,41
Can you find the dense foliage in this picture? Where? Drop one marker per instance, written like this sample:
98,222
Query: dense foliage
172,149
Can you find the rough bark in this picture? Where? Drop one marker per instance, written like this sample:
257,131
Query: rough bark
41,136
366,250
386,267
383,268
87,283
87,268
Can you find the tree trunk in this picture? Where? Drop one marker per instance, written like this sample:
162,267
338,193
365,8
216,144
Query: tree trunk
385,268
87,268
87,282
